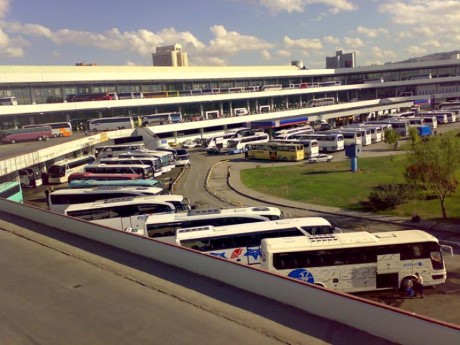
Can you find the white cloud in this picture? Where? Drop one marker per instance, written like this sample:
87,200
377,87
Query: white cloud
425,18
353,42
4,7
302,43
33,30
433,43
372,33
290,6
416,50
227,43
266,55
4,39
14,52
379,53
331,40
283,53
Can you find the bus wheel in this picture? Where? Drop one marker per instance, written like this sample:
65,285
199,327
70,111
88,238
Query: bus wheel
406,283
253,157
13,141
284,158
40,139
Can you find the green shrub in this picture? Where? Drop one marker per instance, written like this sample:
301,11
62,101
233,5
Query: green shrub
388,196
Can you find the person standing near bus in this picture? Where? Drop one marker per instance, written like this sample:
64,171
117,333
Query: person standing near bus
418,286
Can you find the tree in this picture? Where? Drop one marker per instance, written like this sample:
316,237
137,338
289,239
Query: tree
392,137
414,136
432,166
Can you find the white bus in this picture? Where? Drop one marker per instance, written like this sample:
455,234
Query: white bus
110,123
59,200
161,119
238,145
218,143
319,102
128,213
401,126
167,225
59,172
241,243
440,116
124,158
349,136
376,130
59,129
328,142
451,114
366,134
146,171
107,151
358,261
430,120
166,158
181,156
282,133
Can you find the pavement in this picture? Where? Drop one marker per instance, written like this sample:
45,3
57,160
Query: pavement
224,182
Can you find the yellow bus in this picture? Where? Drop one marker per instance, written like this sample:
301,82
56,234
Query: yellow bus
275,151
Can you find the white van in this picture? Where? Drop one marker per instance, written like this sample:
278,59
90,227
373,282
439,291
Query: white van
8,101
240,111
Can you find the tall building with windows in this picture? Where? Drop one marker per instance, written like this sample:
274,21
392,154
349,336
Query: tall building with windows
341,60
170,56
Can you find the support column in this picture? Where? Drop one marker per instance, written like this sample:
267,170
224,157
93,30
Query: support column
202,112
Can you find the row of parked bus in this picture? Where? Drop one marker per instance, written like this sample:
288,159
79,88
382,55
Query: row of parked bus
310,249
111,160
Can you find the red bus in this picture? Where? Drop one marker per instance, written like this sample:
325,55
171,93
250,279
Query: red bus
11,136
88,97
103,177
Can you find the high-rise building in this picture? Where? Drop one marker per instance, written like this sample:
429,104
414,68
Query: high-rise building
170,56
341,60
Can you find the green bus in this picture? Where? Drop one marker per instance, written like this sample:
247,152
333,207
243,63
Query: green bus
11,191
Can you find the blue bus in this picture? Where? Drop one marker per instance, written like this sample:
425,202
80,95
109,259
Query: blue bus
124,183
11,191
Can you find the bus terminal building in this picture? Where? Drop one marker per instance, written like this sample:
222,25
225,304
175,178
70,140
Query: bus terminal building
213,99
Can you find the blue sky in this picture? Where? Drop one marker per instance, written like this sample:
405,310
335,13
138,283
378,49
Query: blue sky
224,32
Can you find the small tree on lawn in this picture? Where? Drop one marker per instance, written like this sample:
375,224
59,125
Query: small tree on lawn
392,137
432,166
414,136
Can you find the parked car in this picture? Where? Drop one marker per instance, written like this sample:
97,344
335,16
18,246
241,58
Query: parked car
322,157
188,144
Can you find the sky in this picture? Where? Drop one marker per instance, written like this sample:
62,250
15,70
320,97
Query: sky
225,32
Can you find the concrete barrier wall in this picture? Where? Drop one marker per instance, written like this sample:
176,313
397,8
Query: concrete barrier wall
386,322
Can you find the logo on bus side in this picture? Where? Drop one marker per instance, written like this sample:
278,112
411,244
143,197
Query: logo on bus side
302,274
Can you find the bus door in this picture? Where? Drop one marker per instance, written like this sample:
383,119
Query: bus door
388,268
134,222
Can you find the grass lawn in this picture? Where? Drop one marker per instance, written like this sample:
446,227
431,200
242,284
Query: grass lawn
334,184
